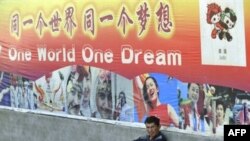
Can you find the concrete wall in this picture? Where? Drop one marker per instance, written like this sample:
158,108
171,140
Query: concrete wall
26,126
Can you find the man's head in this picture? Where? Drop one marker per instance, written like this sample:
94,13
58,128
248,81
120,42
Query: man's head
193,92
220,110
26,85
74,99
104,99
212,90
152,126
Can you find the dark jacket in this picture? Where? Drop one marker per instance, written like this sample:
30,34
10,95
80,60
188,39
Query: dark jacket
158,137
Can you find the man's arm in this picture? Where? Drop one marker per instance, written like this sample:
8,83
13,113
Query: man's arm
3,92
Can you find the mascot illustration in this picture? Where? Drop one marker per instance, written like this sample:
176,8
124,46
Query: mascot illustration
214,17
228,20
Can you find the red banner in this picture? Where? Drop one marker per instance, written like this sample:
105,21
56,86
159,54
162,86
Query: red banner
125,60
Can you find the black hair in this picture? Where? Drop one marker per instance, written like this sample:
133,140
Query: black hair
220,102
189,85
232,14
145,95
152,119
122,92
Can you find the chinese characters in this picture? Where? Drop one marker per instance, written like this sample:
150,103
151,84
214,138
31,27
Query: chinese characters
123,20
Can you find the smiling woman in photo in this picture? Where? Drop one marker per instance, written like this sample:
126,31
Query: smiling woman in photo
165,112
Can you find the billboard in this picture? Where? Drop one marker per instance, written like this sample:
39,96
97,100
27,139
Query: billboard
183,61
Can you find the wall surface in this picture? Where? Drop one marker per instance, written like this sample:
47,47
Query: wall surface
28,126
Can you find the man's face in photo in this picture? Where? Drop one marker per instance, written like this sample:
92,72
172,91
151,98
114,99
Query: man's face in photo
104,104
104,101
74,99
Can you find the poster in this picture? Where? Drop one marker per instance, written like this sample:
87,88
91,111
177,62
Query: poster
220,23
122,61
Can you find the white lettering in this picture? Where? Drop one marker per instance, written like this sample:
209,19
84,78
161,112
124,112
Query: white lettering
19,55
52,56
41,54
137,55
98,56
71,55
56,55
243,131
108,56
127,54
0,49
174,58
231,132
237,131
87,50
160,58
149,57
